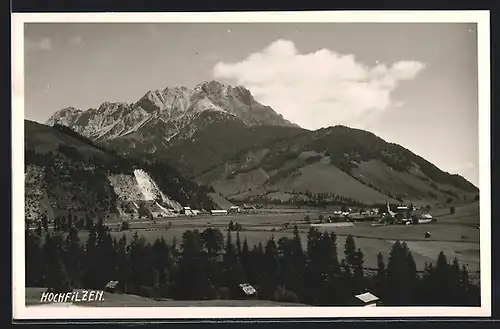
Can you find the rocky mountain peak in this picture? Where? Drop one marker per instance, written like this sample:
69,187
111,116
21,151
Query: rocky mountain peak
174,106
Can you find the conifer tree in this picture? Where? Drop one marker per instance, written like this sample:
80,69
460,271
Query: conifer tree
270,269
299,262
45,223
191,278
233,272
358,272
74,259
123,266
350,252
56,276
238,243
396,275
245,256
213,242
34,260
401,273
380,279
91,267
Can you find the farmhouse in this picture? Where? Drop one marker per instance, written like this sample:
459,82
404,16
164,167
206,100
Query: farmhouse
247,291
113,287
366,299
217,212
188,211
234,209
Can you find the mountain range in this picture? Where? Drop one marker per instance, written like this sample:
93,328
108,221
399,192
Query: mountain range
220,138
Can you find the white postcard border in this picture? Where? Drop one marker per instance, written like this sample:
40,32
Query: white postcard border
20,311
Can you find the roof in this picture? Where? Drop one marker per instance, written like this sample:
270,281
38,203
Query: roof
112,284
367,297
247,289
218,210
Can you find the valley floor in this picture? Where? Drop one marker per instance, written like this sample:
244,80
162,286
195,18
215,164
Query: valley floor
456,235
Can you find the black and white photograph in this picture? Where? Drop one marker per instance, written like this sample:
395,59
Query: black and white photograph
250,165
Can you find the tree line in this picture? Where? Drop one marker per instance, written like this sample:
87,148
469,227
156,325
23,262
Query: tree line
210,264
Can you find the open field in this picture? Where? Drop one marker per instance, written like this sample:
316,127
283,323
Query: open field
423,251
123,300
456,235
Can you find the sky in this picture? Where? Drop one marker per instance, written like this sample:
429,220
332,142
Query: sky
414,84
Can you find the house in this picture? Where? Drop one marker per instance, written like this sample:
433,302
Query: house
185,210
218,212
234,209
247,291
188,211
366,299
113,287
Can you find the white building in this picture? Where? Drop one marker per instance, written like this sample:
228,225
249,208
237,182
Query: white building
188,211
218,212
234,209
366,299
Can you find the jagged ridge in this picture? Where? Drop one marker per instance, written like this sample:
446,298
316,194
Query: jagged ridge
167,111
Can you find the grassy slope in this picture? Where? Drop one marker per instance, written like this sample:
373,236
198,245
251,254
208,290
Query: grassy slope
125,300
241,162
66,185
76,183
371,169
44,139
209,148
220,201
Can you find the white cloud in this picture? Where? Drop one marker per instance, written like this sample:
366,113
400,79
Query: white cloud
76,40
34,45
318,89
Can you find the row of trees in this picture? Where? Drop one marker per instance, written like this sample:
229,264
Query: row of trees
299,199
209,265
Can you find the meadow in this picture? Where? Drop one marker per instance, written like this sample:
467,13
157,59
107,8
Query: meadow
456,234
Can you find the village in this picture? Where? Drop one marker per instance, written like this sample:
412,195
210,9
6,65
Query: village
388,215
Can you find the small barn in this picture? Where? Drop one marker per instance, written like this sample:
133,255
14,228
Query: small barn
366,299
188,211
235,209
113,287
218,212
246,291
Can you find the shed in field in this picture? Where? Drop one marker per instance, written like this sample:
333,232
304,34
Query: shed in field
366,299
218,212
113,287
235,209
247,291
188,211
